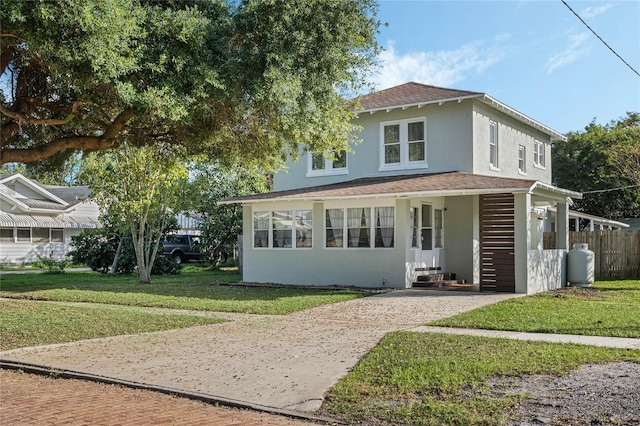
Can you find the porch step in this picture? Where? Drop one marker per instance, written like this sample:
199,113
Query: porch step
443,285
436,277
439,283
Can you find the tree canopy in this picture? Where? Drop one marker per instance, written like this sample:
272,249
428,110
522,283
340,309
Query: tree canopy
234,80
603,162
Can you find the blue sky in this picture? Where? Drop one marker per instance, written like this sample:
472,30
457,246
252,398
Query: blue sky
534,55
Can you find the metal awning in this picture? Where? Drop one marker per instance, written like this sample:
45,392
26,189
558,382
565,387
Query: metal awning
10,220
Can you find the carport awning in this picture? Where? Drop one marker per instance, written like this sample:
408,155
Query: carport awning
10,220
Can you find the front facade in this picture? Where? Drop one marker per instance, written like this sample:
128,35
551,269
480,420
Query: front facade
446,185
38,220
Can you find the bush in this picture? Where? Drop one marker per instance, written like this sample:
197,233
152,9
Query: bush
50,264
97,249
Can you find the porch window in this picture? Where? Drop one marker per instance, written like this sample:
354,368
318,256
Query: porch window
276,229
6,235
364,227
493,144
57,236
522,159
403,143
40,235
24,235
413,218
437,228
282,226
538,154
261,229
334,226
304,227
359,227
384,226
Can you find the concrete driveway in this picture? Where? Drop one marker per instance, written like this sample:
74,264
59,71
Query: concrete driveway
285,362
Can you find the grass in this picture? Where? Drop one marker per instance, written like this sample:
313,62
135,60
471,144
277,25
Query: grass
27,323
607,308
200,290
436,379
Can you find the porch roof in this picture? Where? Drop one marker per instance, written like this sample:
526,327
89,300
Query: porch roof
415,185
10,220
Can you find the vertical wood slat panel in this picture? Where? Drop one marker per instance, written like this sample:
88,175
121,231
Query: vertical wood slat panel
497,243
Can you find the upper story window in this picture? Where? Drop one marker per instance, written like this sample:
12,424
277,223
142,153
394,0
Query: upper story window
522,159
493,145
403,143
538,154
319,165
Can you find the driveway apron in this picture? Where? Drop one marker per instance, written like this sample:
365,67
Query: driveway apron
286,362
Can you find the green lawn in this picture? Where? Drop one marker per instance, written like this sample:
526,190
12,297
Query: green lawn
201,290
607,308
27,323
437,379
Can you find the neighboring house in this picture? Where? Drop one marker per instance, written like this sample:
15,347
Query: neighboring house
39,220
189,223
445,182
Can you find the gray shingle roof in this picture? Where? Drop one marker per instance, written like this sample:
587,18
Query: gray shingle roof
395,185
409,94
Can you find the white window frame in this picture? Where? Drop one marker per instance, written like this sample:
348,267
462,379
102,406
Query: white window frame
522,159
329,169
539,154
404,162
372,226
270,230
494,145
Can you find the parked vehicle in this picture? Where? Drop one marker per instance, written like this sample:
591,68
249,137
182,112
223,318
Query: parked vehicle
182,248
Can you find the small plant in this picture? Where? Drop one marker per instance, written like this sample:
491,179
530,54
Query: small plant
50,264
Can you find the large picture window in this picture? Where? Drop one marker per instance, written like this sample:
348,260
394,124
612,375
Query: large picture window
364,227
403,143
283,229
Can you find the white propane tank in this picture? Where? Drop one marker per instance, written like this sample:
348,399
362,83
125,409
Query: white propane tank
580,266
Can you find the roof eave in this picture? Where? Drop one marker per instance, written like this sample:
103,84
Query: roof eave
418,104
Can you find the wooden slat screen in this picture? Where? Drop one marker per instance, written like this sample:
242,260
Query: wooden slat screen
497,243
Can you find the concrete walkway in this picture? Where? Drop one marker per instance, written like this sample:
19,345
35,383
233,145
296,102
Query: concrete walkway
281,362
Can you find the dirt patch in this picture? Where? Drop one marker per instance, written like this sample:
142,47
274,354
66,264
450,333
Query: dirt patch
594,394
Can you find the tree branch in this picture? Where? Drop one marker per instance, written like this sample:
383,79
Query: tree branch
22,119
27,155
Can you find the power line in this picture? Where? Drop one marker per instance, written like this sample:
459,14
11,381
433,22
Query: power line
611,189
600,38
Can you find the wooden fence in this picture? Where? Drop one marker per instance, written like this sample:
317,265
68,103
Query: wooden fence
616,253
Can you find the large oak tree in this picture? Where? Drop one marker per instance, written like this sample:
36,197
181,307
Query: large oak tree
236,80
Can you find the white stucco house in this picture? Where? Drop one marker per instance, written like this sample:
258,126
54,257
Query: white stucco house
449,183
39,220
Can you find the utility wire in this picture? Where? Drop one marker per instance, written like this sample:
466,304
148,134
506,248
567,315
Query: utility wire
600,38
611,189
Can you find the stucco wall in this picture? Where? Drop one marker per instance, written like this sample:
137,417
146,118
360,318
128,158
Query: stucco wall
547,270
320,266
459,237
511,134
448,133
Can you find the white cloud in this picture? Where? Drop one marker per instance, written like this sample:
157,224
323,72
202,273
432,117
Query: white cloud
443,68
574,51
591,12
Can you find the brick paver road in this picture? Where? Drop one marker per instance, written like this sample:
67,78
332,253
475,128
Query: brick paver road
29,399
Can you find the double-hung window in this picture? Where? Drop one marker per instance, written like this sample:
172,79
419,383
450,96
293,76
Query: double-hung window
319,165
522,159
364,227
403,143
283,229
493,145
538,154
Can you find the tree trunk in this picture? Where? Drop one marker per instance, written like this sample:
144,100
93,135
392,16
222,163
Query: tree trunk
116,258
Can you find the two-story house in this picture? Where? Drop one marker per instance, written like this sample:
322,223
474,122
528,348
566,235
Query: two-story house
39,220
446,185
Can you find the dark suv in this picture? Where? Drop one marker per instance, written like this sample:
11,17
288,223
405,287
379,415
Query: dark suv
182,248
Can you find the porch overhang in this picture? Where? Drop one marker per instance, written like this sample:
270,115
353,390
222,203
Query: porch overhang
10,220
412,186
